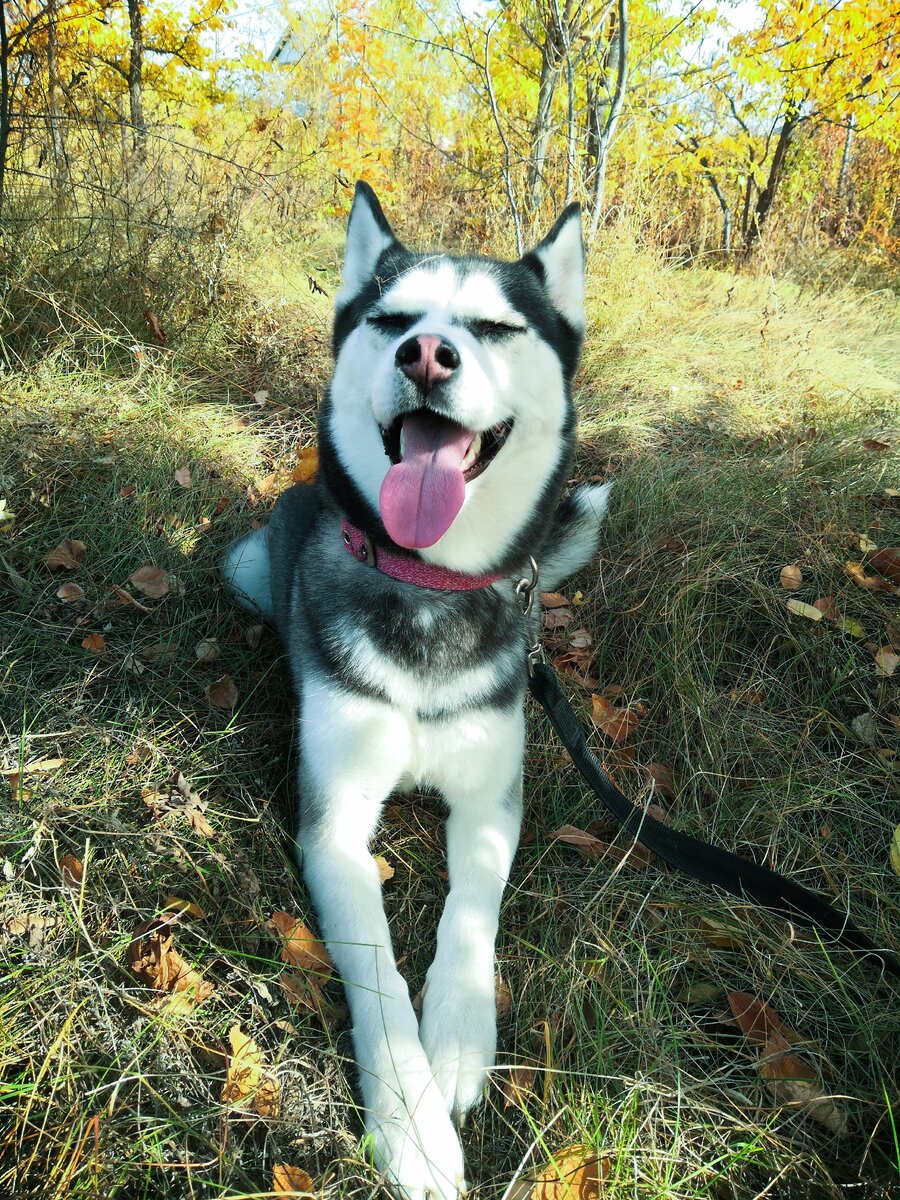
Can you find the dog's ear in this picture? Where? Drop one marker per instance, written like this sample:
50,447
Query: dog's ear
368,235
559,262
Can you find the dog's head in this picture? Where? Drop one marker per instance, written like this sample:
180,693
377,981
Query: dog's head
449,421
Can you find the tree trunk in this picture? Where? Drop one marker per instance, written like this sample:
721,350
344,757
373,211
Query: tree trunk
135,70
543,121
606,114
723,204
4,97
844,173
766,197
57,137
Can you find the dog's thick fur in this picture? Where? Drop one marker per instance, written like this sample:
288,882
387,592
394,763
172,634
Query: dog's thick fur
400,685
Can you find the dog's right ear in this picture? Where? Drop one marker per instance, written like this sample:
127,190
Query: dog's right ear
368,235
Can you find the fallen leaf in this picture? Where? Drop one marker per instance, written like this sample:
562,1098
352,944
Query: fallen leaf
866,728
827,608
122,597
615,723
385,870
155,328
291,1181
576,1173
222,693
152,582
557,618
72,870
895,851
307,465
791,577
887,562
872,583
299,947
67,556
805,610
69,593
874,444
886,662
722,936
591,846
663,778
792,1081
34,926
155,962
850,627
253,635
39,767
183,907
518,1086
502,996
866,544
579,639
261,396
248,1081
95,643
758,1021
207,651
183,477
554,600
699,993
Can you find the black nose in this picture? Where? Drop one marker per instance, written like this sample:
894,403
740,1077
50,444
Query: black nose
427,360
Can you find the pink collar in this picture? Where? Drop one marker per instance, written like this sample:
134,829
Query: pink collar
410,570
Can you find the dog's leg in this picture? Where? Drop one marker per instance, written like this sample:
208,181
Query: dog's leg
353,751
459,1019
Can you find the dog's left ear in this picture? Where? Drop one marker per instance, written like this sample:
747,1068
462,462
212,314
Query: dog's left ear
368,236
559,261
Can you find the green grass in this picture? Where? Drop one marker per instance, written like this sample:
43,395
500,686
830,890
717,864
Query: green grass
732,412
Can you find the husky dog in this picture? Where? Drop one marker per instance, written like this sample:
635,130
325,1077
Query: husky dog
444,445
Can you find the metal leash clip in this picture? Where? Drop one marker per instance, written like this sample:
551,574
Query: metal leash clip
525,589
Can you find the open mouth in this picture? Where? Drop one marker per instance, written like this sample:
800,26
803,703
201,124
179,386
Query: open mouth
482,449
432,461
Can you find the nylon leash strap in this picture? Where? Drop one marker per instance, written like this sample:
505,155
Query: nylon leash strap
740,877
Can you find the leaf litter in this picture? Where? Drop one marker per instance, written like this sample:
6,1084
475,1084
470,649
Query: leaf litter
249,1083
154,961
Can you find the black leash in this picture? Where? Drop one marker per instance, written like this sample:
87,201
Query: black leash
739,876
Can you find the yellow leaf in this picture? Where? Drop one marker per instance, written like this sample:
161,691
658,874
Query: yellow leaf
291,1181
805,610
791,577
248,1083
895,851
307,465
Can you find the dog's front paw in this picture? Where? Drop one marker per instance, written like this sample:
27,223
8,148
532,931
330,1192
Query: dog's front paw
459,1036
419,1156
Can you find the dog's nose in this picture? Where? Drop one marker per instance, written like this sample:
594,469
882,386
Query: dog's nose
427,360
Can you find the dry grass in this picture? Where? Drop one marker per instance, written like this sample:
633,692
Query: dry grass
733,411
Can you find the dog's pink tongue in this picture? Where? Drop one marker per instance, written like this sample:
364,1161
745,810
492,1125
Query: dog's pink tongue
422,493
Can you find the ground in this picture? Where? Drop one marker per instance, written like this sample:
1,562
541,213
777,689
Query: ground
749,425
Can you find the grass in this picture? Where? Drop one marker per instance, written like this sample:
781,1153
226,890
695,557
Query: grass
733,413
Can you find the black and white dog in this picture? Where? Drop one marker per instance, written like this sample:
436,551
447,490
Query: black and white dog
444,445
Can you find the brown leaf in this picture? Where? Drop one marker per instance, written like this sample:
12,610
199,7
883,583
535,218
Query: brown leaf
67,556
72,870
299,947
886,562
154,962
248,1081
155,328
183,477
872,583
587,843
518,1086
69,593
874,444
152,582
385,870
122,597
183,907
304,991
502,996
222,693
886,662
792,1081
663,777
615,723
827,608
576,1173
291,1181
759,1022
307,465
95,643
554,600
557,618
791,577
34,926
207,651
